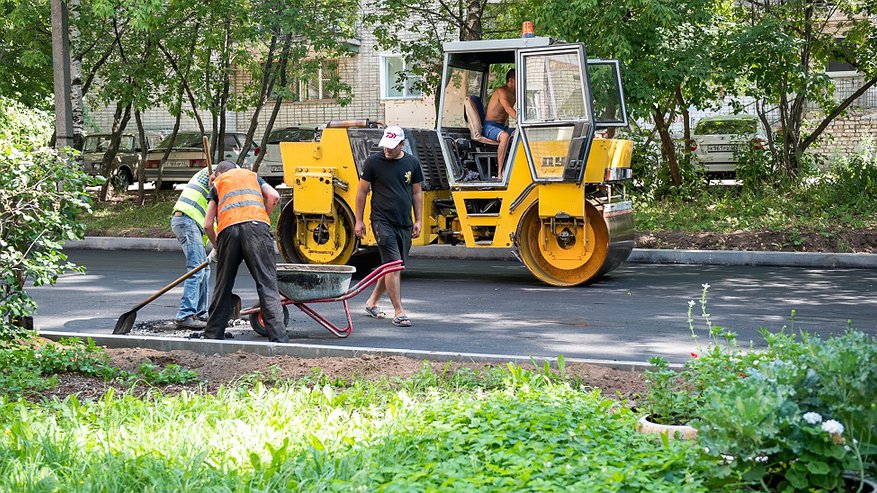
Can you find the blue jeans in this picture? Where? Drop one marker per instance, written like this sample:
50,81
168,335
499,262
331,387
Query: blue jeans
194,300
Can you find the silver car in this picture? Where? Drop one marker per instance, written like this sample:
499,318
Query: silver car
271,167
716,139
187,156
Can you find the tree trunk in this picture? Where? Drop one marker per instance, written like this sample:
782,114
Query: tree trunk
76,102
686,122
167,153
269,125
219,145
108,168
141,158
268,78
668,149
473,29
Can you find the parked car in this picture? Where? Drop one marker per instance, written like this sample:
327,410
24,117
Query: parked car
96,145
271,167
187,156
716,139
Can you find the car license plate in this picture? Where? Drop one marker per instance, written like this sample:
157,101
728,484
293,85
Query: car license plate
721,148
176,164
277,169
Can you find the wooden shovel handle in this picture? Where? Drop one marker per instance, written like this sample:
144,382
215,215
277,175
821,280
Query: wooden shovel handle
171,285
208,155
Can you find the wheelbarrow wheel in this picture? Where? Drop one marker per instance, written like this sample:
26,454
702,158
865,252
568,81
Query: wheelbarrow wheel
259,325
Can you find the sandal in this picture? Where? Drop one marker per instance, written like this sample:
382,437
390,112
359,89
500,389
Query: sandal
375,312
402,321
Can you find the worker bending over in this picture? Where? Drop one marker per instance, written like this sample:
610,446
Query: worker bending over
240,203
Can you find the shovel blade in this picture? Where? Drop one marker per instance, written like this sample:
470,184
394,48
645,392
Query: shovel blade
125,322
236,310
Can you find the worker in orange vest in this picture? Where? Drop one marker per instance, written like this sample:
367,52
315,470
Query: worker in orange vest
240,203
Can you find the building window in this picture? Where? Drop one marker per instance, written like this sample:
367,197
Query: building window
396,81
835,67
322,83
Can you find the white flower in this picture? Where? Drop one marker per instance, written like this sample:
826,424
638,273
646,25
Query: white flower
755,363
690,302
812,418
832,427
705,285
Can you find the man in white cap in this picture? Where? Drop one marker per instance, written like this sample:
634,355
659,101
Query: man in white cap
394,177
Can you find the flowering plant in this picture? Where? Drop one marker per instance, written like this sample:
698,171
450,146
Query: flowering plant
674,396
767,436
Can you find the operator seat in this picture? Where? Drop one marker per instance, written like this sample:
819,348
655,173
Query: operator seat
474,115
484,149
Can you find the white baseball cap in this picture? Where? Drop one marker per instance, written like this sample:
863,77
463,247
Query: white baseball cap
392,137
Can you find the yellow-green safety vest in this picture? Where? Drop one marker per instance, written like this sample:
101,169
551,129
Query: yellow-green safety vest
193,200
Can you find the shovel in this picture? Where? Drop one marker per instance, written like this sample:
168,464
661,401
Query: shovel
126,321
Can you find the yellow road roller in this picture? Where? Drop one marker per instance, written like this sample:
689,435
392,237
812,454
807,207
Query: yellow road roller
559,202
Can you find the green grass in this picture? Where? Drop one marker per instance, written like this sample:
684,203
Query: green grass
513,431
127,218
726,210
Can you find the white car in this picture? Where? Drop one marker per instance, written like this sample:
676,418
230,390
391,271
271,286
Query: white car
715,139
271,167
187,156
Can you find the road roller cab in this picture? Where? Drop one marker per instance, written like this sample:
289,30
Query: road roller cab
559,201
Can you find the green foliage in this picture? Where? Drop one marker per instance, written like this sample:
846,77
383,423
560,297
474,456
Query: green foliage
26,52
42,196
156,375
28,366
852,179
524,433
832,201
674,397
789,418
801,418
776,52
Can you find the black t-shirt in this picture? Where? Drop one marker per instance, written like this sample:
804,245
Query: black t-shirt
391,181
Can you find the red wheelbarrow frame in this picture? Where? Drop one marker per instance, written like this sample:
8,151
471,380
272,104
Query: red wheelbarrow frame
373,277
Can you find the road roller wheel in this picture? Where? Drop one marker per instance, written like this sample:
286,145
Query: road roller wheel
316,239
570,255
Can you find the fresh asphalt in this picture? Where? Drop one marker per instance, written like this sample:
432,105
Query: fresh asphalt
474,305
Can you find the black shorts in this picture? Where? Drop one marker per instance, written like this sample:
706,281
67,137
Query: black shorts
394,242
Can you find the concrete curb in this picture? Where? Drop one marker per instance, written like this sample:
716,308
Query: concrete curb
639,255
209,347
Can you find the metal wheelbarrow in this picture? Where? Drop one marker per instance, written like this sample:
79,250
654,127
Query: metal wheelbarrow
305,284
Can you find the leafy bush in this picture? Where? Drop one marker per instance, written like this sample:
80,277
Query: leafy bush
29,366
853,178
788,418
674,397
42,196
651,175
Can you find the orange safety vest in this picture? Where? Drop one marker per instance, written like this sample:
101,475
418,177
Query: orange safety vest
240,198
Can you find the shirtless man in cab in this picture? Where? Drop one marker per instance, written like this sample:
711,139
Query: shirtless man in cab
500,107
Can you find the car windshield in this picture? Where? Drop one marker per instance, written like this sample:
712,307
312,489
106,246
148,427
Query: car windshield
743,126
96,143
182,140
291,135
